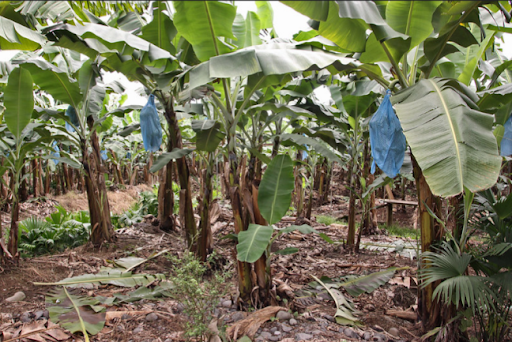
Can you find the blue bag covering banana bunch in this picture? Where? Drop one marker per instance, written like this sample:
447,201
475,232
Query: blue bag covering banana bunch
387,139
506,141
150,126
56,153
71,113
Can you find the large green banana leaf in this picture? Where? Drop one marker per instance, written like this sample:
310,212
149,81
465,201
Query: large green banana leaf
253,242
208,134
413,18
160,31
451,140
14,36
202,23
275,191
268,59
18,101
54,80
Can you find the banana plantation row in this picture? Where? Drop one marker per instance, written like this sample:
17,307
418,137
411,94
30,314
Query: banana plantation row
231,102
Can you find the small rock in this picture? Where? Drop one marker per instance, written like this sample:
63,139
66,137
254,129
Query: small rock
316,332
46,314
369,307
151,317
265,335
273,329
125,317
168,340
350,333
120,327
284,315
26,317
274,338
138,329
227,303
277,333
178,308
293,321
329,318
39,314
380,338
367,336
18,296
394,331
286,328
303,337
237,316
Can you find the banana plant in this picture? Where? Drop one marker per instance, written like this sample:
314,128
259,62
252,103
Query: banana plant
413,38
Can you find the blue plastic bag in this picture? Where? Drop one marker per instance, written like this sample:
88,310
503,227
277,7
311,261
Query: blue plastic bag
506,141
150,126
71,114
387,139
56,153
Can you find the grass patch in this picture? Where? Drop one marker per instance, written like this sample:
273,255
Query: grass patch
327,220
404,232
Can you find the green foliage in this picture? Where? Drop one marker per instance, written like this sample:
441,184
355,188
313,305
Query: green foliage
56,233
199,296
399,231
327,220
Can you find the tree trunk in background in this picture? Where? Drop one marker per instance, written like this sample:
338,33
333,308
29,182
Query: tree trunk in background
35,177
99,209
23,191
12,245
205,229
186,209
166,200
429,310
351,234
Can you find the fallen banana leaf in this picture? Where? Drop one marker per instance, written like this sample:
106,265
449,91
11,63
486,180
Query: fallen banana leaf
131,262
345,310
113,276
75,313
368,283
155,293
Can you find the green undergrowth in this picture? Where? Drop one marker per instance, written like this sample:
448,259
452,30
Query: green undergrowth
403,232
55,233
328,220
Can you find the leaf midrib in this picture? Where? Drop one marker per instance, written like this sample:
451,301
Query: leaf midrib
452,128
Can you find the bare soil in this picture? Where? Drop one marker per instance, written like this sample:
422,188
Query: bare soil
315,257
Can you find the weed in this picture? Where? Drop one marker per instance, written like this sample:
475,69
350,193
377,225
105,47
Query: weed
403,232
200,298
327,220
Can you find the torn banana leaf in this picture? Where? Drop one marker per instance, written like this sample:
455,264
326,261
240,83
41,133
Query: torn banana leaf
162,290
368,283
75,313
113,276
345,310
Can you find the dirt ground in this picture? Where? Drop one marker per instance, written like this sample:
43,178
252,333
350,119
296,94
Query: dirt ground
314,319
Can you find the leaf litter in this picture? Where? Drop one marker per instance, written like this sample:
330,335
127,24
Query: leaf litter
124,308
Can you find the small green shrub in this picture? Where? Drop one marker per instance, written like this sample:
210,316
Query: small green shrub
200,297
39,236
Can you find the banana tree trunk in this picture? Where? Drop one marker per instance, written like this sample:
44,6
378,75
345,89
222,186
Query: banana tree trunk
12,245
99,209
186,209
23,192
35,178
205,235
429,310
351,207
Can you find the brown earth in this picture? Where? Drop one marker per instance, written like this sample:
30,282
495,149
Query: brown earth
315,257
